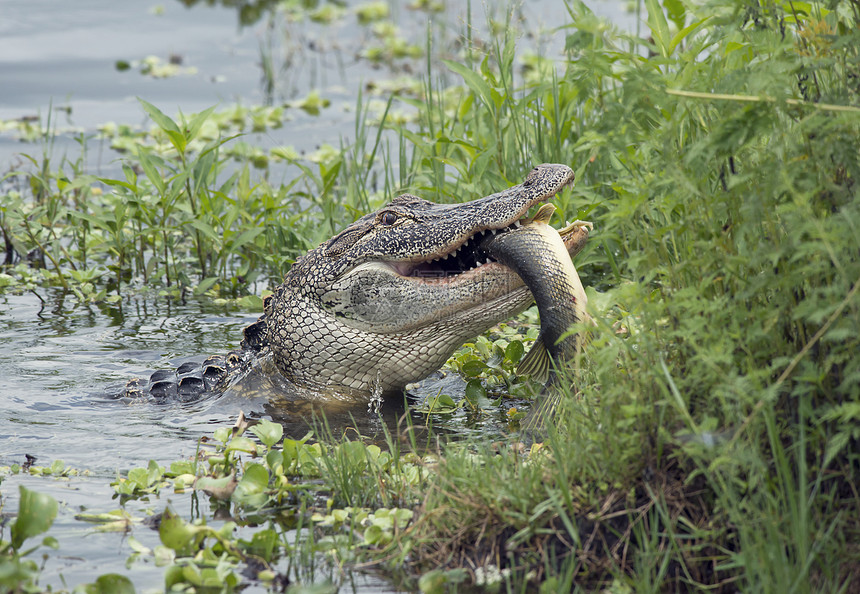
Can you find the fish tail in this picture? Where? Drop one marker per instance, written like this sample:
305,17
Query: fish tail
543,408
536,363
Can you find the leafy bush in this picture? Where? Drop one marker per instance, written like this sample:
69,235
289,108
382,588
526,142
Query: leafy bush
715,413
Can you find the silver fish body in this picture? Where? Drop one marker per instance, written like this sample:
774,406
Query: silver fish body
539,254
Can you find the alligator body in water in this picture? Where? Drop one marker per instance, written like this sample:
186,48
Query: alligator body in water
385,302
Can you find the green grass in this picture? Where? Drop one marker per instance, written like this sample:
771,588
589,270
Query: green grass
711,441
709,438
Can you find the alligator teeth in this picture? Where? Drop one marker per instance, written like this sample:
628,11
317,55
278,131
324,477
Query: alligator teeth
517,224
494,231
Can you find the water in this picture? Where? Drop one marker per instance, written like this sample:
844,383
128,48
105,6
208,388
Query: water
61,360
60,367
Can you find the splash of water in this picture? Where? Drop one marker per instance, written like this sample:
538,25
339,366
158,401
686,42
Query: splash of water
375,403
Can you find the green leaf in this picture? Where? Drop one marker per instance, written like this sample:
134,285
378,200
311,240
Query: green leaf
205,285
100,223
152,174
36,513
111,583
197,122
204,228
659,26
676,11
173,576
433,582
373,535
251,489
474,391
477,84
137,546
161,120
118,183
246,236
686,32
219,488
264,544
474,368
174,532
275,461
177,139
242,444
181,467
514,351
354,454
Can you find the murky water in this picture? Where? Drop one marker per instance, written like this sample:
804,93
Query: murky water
61,360
59,368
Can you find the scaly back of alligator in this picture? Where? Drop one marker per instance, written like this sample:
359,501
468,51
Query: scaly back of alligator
191,381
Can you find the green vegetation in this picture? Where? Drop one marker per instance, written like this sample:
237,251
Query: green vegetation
710,437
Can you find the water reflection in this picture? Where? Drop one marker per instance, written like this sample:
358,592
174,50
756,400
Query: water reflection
63,363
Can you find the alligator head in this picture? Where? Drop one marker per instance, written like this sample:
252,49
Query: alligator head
388,300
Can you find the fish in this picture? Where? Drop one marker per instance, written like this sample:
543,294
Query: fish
541,257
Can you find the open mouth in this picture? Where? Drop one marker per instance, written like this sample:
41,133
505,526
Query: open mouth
470,255
462,259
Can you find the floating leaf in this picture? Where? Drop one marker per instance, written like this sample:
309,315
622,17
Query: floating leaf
111,583
474,368
36,513
174,532
514,351
251,489
474,391
269,433
219,488
242,444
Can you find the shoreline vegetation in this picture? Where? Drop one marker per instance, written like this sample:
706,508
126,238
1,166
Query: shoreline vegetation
709,439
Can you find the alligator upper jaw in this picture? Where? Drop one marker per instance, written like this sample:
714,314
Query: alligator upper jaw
464,255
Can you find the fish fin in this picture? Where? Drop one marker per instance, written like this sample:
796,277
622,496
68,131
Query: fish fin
544,214
569,227
536,362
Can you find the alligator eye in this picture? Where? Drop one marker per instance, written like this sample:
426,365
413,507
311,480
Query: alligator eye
388,218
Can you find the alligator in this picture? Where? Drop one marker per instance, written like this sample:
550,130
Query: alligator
385,302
